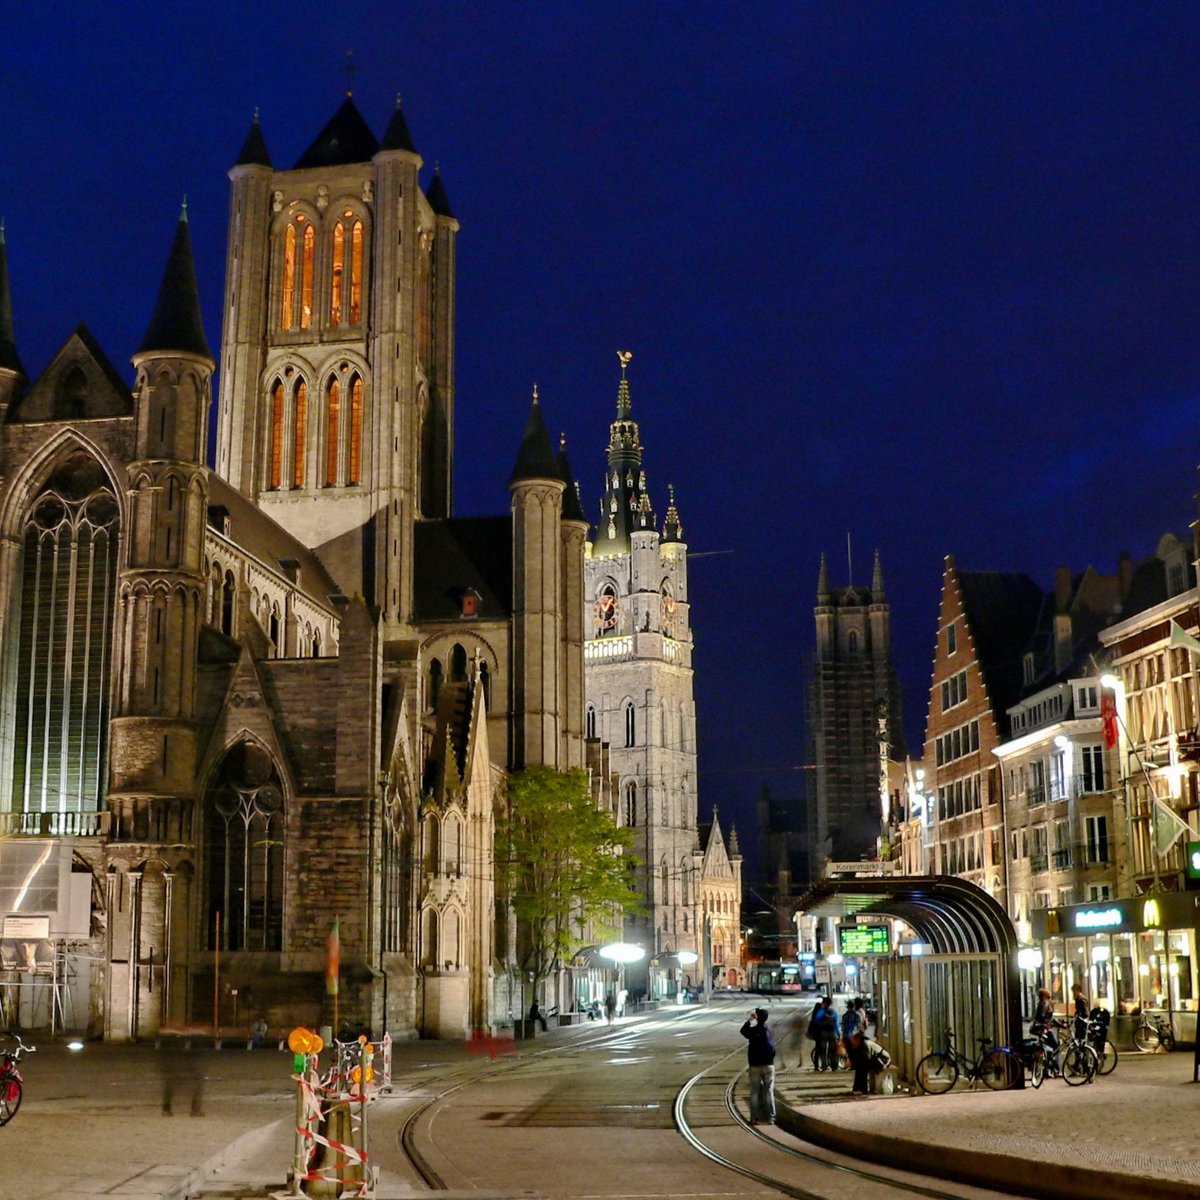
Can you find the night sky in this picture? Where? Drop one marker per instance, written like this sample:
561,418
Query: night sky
924,273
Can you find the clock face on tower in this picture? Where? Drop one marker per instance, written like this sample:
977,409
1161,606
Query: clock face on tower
607,610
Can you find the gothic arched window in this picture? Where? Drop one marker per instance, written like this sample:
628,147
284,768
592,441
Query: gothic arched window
244,852
852,644
299,434
227,604
333,424
354,458
57,657
485,682
435,683
276,475
631,791
458,664
590,721
630,724
345,303
296,277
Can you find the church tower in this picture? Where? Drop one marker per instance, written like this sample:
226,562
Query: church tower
855,719
638,656
337,363
161,583
12,374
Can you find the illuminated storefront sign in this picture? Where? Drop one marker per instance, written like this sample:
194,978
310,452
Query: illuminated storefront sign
1151,917
1193,860
1098,918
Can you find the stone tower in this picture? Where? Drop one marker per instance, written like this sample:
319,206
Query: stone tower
855,719
638,658
337,362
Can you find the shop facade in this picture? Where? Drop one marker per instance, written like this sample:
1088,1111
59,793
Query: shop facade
1132,956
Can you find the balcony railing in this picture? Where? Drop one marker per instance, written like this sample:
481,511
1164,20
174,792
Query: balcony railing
1038,861
1035,794
54,824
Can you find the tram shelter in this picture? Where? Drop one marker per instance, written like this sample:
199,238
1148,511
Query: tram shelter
953,964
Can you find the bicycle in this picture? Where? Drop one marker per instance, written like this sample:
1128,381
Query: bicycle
1078,1061
1039,1055
11,1080
997,1067
1151,1035
1097,1035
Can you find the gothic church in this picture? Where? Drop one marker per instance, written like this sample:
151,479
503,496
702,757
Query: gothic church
236,704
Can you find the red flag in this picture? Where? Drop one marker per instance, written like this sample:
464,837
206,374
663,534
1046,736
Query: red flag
1108,717
333,960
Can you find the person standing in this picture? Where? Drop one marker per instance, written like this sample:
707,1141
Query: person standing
852,1021
535,1014
760,1057
826,1022
1081,1010
610,1007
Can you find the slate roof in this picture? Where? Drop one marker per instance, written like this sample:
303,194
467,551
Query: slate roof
396,135
458,553
346,139
176,323
572,509
1002,610
535,458
269,542
9,359
254,148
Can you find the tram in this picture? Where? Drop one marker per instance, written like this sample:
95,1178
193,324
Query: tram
782,977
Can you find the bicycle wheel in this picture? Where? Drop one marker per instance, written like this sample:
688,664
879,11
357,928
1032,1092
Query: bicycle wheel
10,1099
1038,1067
937,1073
1079,1064
1145,1038
1000,1069
1108,1059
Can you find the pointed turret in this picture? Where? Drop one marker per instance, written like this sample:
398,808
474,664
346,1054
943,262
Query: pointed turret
10,361
535,459
877,593
436,195
254,149
672,526
735,851
176,325
572,508
823,581
396,136
626,507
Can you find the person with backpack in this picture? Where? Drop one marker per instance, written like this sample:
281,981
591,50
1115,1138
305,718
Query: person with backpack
867,1058
760,1056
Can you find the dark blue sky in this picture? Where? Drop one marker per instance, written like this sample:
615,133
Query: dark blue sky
926,273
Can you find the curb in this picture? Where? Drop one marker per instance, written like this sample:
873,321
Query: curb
197,1177
983,1168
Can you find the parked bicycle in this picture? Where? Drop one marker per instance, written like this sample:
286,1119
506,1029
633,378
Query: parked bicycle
1097,1036
996,1067
1078,1061
1154,1033
11,1081
1039,1054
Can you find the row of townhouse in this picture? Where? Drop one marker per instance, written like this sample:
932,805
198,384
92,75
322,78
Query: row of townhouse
1060,772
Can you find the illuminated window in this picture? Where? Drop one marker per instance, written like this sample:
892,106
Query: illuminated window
276,434
333,414
300,434
356,274
356,406
288,318
339,260
306,277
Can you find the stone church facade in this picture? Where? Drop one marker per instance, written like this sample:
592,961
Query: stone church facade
640,702
236,704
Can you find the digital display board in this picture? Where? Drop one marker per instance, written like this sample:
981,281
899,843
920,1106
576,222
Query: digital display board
864,939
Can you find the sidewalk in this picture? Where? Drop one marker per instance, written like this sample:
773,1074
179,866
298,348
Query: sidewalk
91,1123
1129,1134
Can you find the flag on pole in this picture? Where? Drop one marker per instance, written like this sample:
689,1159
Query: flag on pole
1108,717
333,959
1180,639
1169,827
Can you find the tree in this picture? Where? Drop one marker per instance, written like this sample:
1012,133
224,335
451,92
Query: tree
562,863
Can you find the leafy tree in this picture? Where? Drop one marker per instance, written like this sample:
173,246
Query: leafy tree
562,864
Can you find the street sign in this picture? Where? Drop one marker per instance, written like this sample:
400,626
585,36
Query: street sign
27,929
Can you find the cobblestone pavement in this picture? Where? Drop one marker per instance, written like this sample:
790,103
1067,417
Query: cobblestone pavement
1141,1120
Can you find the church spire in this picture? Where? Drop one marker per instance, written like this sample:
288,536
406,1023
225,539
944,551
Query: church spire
254,149
823,581
535,459
176,324
9,359
672,526
626,505
877,595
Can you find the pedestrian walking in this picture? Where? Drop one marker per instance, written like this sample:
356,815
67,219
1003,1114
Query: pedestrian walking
760,1057
852,1020
610,1007
825,1022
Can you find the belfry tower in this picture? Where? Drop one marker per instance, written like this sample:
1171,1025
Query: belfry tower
638,656
337,363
